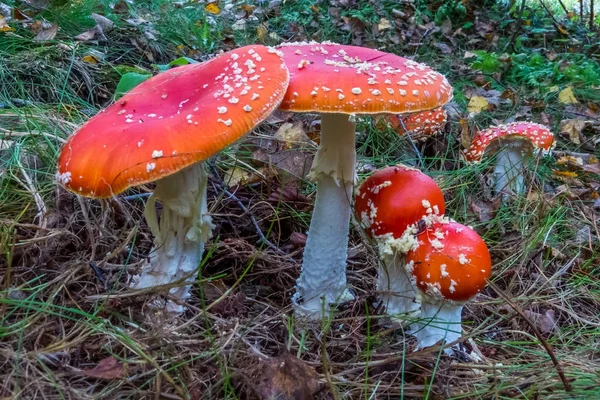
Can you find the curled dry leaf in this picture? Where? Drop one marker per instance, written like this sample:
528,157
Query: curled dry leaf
47,32
545,322
4,26
286,378
291,135
107,368
572,128
103,25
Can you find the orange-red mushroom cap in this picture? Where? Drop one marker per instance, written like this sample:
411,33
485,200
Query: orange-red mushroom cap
452,262
173,120
539,136
394,198
423,123
332,78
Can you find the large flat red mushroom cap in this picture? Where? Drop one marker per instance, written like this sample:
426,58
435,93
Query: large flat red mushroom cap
452,262
332,78
489,140
173,120
394,198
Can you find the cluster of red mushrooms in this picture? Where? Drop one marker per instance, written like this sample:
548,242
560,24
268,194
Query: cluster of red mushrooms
163,130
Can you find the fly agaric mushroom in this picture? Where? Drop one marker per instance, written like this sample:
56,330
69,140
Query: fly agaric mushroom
420,125
390,204
450,266
161,131
513,144
340,82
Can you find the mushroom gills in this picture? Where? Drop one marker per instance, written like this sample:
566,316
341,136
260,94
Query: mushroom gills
179,237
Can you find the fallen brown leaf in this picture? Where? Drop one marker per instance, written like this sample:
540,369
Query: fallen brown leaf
107,368
572,128
544,322
48,32
286,378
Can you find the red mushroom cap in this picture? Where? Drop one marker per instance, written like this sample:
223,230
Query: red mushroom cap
173,120
491,139
452,262
395,198
333,78
423,123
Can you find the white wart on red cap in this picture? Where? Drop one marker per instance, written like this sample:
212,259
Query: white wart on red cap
490,140
332,78
173,120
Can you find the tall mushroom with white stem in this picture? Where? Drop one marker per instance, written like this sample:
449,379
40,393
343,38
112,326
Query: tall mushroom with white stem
391,205
513,144
340,82
161,131
449,267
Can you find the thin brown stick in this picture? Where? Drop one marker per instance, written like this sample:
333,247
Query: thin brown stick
563,6
537,333
591,14
517,26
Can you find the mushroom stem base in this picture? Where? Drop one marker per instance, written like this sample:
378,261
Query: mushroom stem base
395,288
322,281
180,236
508,172
437,321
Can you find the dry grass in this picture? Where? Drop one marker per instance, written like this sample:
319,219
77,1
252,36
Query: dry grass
66,310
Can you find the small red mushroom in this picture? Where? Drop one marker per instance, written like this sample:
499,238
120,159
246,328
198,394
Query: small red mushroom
513,144
391,205
395,198
419,125
449,267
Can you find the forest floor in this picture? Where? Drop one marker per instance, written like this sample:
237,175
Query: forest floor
70,328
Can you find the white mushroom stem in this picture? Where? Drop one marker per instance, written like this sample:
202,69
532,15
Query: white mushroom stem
508,172
395,289
438,321
180,236
322,282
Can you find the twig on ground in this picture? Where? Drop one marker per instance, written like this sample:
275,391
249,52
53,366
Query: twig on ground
30,187
517,24
537,333
563,7
221,186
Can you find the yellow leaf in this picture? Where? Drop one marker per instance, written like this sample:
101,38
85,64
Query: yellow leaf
212,8
477,104
553,89
566,96
572,128
4,26
564,174
291,134
238,176
89,59
384,24
261,32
